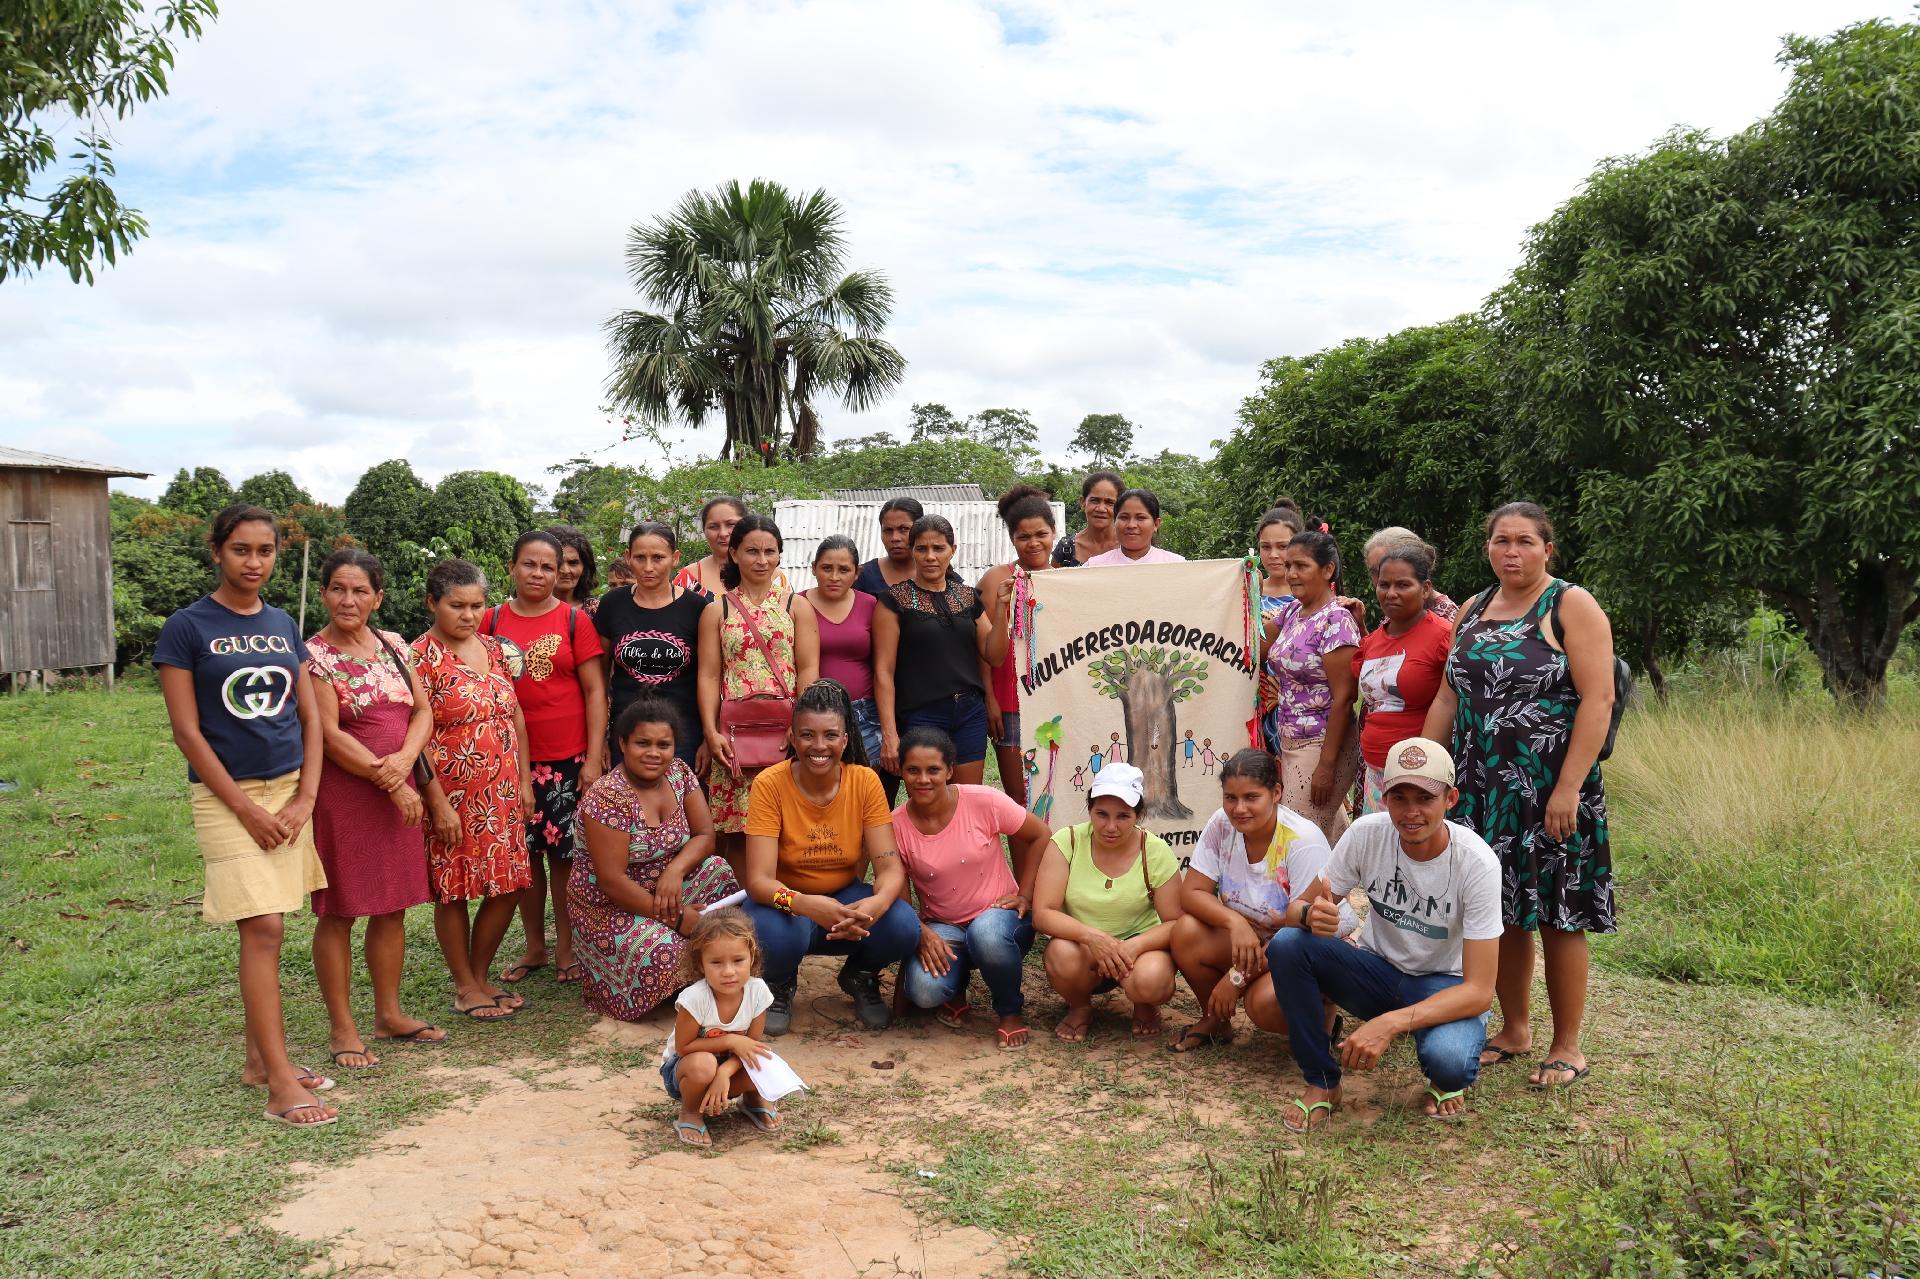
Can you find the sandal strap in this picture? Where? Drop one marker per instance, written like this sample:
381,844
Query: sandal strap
1440,1098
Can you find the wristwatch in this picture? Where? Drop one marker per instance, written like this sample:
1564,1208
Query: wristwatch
1237,977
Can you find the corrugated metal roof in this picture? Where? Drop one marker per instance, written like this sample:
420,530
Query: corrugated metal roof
919,492
26,459
982,538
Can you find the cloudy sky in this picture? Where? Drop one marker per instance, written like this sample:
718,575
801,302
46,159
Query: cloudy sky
395,229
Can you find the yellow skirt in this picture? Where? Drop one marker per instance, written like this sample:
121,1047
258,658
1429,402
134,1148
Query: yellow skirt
244,879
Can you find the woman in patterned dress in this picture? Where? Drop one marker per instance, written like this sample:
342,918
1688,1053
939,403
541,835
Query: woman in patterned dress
733,666
644,867
375,720
1310,645
477,843
1270,537
1526,701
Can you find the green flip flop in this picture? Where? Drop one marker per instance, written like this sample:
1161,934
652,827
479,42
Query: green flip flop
1307,1112
1441,1098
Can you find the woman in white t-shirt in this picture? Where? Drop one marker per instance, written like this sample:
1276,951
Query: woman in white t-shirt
1254,856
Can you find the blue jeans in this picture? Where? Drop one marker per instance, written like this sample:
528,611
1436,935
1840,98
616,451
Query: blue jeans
1305,967
995,941
1009,730
963,717
866,725
787,939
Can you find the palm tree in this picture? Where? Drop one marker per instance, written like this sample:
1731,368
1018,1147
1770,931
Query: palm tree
755,318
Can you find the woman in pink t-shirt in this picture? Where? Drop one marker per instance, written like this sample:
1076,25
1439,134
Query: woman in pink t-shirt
1400,662
975,910
1138,518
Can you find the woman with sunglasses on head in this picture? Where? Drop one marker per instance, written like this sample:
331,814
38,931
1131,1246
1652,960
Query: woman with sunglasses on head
1137,519
1099,493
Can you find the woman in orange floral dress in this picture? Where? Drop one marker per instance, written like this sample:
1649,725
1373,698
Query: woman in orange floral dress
477,841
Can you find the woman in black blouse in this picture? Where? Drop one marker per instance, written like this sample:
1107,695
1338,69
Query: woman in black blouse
933,647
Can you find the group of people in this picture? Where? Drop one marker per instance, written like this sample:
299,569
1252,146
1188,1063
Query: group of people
714,776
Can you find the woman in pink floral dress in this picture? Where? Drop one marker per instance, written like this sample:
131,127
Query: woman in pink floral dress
643,867
477,842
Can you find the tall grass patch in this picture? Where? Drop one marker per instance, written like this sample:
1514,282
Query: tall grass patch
1771,841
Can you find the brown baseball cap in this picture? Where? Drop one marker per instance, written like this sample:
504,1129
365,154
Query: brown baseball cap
1420,761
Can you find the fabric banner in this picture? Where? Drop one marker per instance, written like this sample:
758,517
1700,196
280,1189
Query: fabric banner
1153,664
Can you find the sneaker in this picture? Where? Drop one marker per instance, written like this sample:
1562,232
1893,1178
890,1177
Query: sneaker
864,988
780,1011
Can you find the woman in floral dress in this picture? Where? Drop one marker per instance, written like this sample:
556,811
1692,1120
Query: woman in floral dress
1525,705
643,869
477,842
1310,645
733,666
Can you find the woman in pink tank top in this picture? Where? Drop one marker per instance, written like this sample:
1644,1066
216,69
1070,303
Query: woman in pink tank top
846,637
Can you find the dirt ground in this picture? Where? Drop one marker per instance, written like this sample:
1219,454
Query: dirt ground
560,1168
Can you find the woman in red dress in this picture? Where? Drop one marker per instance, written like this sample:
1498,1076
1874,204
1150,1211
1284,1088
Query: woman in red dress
375,720
477,841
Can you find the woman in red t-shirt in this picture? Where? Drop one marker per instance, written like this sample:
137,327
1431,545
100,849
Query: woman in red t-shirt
562,689
1399,662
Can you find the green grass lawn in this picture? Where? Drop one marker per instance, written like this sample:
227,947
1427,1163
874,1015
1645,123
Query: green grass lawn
128,1148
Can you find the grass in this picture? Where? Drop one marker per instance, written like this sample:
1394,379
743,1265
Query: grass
1765,857
1770,842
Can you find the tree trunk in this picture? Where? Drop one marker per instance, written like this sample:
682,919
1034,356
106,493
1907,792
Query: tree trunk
1649,657
1853,623
1152,732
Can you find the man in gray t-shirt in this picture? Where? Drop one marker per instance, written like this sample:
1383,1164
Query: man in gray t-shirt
1427,960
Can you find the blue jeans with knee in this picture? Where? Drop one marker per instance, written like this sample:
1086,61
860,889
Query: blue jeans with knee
1305,967
995,941
787,939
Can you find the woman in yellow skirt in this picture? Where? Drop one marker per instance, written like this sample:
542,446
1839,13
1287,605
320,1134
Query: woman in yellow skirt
243,714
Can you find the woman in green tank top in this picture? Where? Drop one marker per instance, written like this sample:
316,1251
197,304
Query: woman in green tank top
1106,895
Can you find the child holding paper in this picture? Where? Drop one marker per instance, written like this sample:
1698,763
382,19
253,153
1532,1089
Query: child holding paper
719,1029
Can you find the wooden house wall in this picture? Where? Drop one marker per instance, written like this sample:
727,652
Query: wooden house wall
56,571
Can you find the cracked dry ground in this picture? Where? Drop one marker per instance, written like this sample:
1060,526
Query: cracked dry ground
564,1168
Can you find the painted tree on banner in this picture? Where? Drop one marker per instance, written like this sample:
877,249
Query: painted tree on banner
1148,683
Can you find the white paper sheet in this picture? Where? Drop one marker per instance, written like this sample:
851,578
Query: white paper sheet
773,1078
731,899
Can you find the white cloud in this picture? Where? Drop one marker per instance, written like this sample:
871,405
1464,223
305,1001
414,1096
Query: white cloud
398,230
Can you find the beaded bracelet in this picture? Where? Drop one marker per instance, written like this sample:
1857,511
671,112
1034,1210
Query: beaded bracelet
783,900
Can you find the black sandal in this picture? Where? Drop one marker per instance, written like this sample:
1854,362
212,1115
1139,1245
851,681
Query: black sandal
1207,1038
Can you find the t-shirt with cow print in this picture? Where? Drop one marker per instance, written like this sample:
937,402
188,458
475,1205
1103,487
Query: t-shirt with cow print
655,650
245,669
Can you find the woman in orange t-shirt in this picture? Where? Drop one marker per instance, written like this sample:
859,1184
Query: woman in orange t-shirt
813,823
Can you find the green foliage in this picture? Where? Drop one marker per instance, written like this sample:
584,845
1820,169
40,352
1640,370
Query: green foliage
1191,501
594,497
756,318
1712,344
1184,672
159,565
274,490
68,66
480,514
203,492
1011,432
934,421
1103,439
1788,1177
1401,430
387,506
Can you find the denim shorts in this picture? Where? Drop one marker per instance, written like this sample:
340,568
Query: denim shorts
1009,730
669,1075
866,722
963,717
